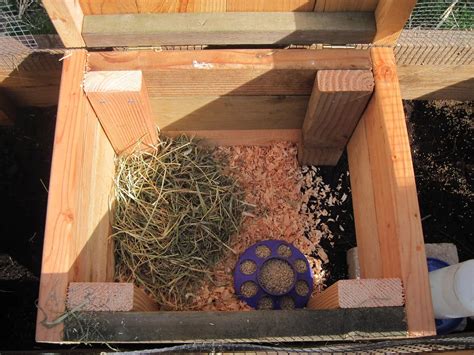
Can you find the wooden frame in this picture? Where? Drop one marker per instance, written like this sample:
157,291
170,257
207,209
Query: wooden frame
77,223
68,16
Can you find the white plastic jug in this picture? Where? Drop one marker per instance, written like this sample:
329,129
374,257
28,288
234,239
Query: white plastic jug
452,290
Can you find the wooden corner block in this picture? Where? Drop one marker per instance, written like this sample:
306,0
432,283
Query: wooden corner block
109,297
337,102
360,293
121,103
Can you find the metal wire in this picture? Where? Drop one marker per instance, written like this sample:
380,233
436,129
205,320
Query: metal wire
444,343
16,42
442,15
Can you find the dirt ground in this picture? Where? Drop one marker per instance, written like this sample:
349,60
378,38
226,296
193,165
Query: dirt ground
442,146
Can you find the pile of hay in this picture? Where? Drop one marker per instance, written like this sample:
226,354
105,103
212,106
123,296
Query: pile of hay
175,211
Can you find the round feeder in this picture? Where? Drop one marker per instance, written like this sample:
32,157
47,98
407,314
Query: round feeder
273,274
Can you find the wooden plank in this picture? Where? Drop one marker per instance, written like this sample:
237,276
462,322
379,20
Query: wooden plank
345,5
230,72
362,188
67,18
269,5
108,297
224,59
107,7
359,293
391,16
239,327
32,80
282,28
121,102
260,137
76,245
337,102
397,215
437,82
229,112
7,111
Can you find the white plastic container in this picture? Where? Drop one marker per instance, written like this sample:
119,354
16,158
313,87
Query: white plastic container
452,290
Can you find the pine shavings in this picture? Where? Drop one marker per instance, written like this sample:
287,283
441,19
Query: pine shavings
272,181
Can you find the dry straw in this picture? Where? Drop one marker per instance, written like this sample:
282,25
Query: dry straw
174,214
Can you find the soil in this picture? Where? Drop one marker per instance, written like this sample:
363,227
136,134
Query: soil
25,159
442,148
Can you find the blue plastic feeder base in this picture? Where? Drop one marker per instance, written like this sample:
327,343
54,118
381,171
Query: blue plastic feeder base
249,267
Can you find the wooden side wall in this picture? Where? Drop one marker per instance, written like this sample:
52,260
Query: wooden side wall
231,90
76,245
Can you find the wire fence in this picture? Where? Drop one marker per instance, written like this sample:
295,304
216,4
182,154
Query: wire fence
442,15
16,41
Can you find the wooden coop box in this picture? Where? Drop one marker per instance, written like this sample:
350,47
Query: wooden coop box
323,98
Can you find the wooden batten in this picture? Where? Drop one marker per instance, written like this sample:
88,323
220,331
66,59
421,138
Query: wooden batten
387,217
360,293
120,101
338,99
230,28
108,297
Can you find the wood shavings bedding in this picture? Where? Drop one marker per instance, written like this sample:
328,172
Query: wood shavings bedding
272,181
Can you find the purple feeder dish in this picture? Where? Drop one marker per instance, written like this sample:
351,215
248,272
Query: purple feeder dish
290,287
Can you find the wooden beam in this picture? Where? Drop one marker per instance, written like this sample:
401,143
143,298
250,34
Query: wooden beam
437,82
230,72
95,7
359,293
201,113
76,245
67,18
337,102
242,137
238,327
391,16
121,102
269,5
227,59
396,236
234,28
345,5
32,80
108,297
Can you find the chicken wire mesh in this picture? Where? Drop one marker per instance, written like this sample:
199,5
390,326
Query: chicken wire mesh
442,15
16,41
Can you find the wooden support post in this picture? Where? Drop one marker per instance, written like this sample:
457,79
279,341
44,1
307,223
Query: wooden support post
338,99
7,111
360,293
387,216
121,102
76,245
108,296
391,16
67,18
